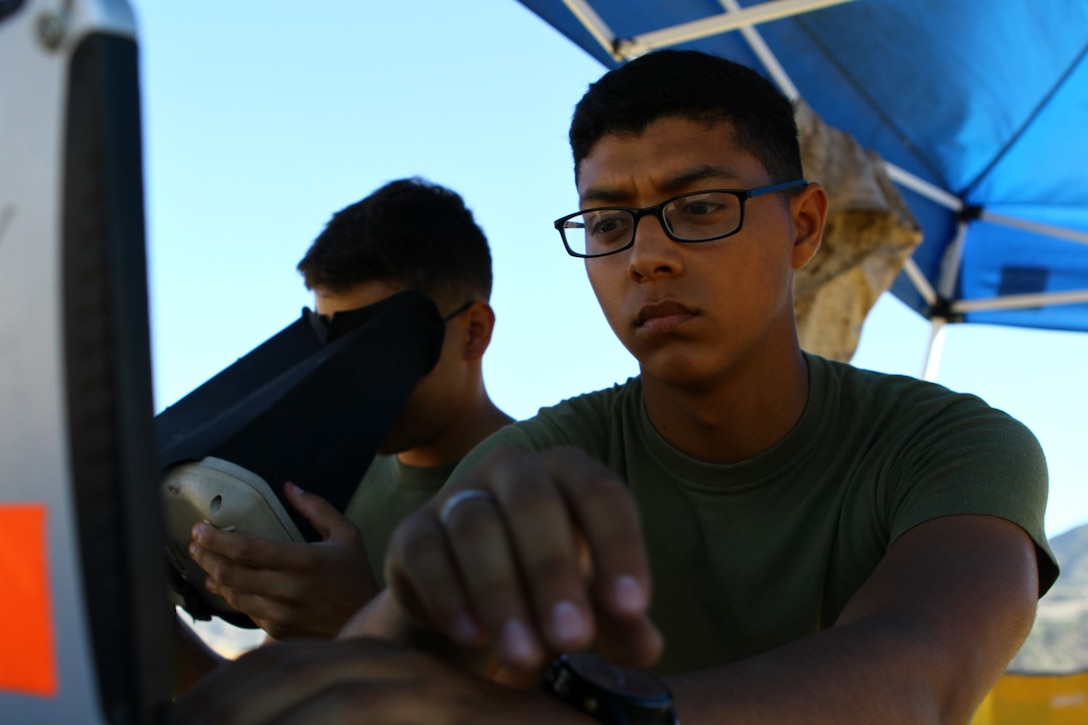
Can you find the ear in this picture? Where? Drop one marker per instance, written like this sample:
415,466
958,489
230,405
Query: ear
808,209
479,322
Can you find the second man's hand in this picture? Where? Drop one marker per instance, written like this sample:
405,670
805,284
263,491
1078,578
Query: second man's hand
290,589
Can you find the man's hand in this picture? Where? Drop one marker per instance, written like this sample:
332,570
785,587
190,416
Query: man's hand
548,558
358,680
290,589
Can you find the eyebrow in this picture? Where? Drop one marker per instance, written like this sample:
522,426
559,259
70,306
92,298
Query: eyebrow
685,179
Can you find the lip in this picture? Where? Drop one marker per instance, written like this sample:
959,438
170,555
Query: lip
664,315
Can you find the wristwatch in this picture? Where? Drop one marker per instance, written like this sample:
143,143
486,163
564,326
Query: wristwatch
607,693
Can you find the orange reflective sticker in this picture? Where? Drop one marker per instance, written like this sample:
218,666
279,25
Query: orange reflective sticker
27,657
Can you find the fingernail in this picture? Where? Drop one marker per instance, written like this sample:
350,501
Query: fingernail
193,548
198,531
464,629
518,643
294,489
630,596
568,623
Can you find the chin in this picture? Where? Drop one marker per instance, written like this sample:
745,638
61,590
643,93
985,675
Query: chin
672,362
683,372
392,446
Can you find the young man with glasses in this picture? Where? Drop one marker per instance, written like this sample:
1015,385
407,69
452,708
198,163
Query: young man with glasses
825,544
407,235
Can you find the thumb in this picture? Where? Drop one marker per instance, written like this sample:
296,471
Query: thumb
328,522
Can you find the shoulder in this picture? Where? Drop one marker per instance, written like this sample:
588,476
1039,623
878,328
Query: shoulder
907,403
585,421
602,407
580,420
913,425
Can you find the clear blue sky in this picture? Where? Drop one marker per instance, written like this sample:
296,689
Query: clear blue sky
262,119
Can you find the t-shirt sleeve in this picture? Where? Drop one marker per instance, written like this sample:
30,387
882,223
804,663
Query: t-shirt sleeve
499,439
973,459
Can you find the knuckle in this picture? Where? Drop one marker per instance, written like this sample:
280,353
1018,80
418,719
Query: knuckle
419,545
550,568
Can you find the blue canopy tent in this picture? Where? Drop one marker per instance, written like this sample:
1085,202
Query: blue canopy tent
978,110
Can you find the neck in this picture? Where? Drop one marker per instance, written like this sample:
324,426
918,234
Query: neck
478,418
753,407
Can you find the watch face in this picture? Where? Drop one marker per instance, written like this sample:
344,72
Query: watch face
628,683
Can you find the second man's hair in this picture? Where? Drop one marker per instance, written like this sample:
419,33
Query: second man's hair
409,232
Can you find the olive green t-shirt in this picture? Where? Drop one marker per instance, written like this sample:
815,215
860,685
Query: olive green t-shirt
390,491
751,555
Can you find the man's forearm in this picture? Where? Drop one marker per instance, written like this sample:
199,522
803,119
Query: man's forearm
923,640
861,672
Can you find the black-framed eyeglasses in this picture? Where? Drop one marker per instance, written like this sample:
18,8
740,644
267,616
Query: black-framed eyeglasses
698,216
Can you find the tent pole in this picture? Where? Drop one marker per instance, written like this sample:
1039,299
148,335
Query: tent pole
934,349
951,262
718,24
946,288
1021,302
920,186
918,279
592,22
1048,229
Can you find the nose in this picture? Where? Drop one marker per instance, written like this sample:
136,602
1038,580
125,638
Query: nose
653,254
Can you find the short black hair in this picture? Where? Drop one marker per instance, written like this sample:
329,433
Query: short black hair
697,86
410,232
